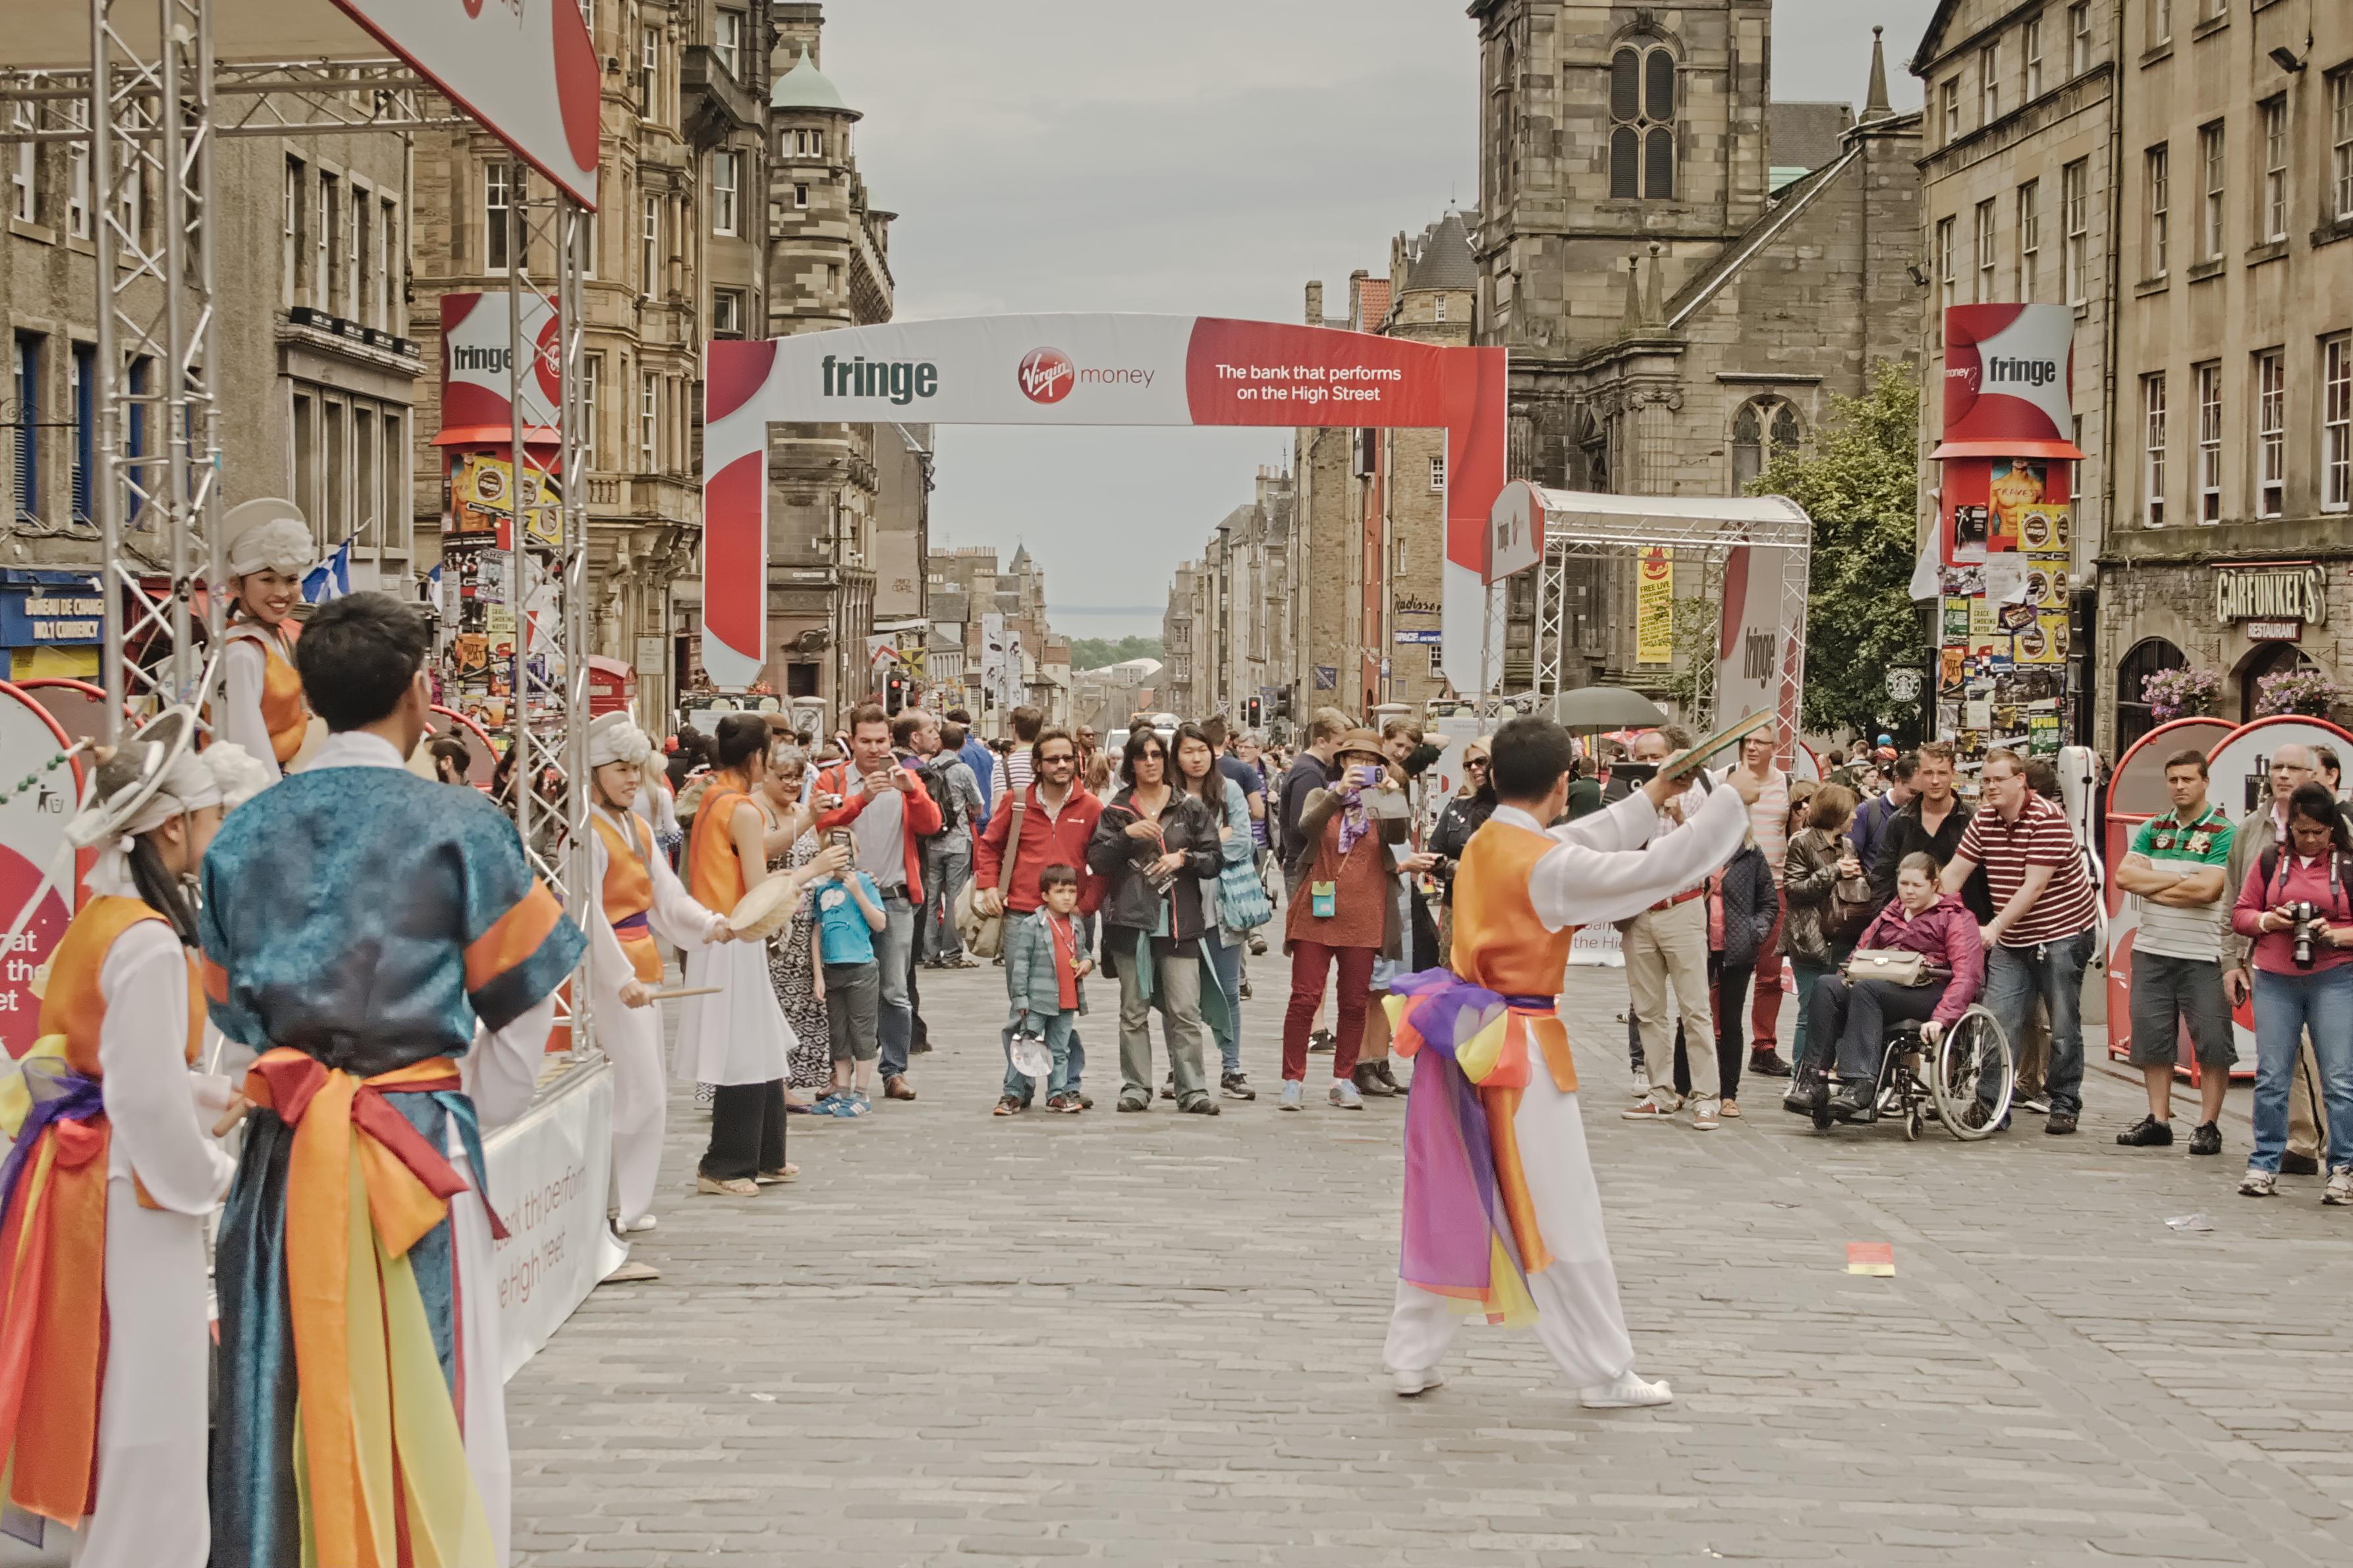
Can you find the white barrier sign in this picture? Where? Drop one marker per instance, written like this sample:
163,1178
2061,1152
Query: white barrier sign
1596,945
548,1175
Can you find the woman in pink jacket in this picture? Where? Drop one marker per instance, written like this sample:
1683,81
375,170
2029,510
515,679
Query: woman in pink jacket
1856,1013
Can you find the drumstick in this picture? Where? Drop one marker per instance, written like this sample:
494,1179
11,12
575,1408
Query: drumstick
231,1118
681,990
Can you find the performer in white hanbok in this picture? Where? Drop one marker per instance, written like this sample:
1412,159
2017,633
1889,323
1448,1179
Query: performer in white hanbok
737,1040
1502,1217
103,1352
643,899
269,549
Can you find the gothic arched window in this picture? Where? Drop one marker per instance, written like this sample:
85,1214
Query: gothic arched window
1763,429
1642,136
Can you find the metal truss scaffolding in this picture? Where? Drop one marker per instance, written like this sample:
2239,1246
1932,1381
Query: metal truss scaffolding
144,90
1579,523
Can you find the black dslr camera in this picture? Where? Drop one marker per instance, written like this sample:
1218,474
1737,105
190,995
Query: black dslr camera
2306,929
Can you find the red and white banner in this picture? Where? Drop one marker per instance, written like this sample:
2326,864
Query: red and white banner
32,840
474,376
525,70
2007,374
1070,370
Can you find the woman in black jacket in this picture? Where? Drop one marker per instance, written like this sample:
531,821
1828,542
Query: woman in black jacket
1153,846
1468,812
1743,891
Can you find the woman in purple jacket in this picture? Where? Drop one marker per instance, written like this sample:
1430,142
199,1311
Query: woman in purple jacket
1856,1013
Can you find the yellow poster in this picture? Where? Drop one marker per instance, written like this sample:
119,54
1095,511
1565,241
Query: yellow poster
1654,607
2045,642
481,495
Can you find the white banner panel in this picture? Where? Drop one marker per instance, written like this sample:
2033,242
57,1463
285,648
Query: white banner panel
549,1172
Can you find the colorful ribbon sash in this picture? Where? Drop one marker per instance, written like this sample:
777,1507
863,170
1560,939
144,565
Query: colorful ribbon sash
52,1274
381,1465
1471,1232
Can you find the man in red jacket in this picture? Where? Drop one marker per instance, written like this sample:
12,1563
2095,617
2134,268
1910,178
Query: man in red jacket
1057,817
886,811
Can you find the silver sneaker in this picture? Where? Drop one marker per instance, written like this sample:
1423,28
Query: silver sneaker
1344,1096
2259,1185
2340,1188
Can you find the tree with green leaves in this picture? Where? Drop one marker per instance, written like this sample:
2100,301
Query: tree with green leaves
1859,479
1102,653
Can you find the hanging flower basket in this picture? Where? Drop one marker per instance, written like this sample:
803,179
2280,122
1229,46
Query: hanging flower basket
2180,693
2306,691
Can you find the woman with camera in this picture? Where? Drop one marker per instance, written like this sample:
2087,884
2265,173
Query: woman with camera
1344,913
2297,906
1853,1014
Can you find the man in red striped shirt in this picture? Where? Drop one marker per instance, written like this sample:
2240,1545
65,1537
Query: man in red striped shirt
2041,934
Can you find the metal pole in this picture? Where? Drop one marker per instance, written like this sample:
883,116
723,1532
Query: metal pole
109,504
572,472
208,339
518,777
178,487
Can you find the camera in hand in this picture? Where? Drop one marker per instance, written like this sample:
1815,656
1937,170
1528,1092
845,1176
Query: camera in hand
2307,928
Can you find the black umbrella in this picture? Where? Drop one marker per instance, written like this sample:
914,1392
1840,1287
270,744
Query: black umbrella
1604,708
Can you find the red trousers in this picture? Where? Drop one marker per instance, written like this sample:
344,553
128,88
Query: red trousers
1309,962
1765,1014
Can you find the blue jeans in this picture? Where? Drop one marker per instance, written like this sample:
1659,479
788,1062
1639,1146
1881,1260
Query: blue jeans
2286,1007
1058,1029
1085,925
947,866
2054,969
892,946
1227,961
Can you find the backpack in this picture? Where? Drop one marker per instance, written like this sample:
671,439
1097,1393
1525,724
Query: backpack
935,783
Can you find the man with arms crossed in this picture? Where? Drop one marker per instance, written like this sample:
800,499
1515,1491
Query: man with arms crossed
2176,868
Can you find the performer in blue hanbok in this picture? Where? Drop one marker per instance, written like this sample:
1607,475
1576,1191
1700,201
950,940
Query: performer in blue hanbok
382,942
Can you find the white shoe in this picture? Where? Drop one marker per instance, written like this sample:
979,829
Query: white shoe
643,1222
1657,1106
1704,1115
2340,1187
1627,1393
1410,1383
1641,1083
2259,1185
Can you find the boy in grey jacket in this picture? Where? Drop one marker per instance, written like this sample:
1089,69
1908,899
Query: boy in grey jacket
1044,969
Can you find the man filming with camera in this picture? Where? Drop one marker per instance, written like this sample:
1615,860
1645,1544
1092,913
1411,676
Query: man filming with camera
2298,908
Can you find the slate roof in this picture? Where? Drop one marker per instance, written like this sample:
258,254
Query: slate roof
1441,257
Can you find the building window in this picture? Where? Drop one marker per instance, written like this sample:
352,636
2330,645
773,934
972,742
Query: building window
27,444
2276,169
1764,429
2209,443
591,377
648,421
2340,139
1642,111
2336,424
2032,36
2161,23
800,196
1947,269
1990,84
21,165
2271,432
1437,474
1438,309
495,219
2210,216
289,222
1984,293
82,388
2079,37
2075,212
1950,99
2152,656
724,175
2029,237
2160,216
728,42
330,267
77,172
649,246
648,69
726,313
2152,406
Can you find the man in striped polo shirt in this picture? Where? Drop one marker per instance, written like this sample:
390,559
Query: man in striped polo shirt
2176,869
2040,935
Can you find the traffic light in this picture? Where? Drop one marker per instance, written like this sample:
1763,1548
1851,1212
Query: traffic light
1250,712
894,694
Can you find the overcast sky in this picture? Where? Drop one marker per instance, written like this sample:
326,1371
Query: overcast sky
1199,160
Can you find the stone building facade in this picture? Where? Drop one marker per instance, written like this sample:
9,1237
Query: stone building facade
1672,310
2016,186
319,375
2233,417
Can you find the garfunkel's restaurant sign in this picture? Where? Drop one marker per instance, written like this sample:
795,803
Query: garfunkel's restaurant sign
2272,591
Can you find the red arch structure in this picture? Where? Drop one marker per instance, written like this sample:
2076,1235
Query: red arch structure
1072,370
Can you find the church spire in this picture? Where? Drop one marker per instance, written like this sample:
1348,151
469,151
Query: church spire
1877,107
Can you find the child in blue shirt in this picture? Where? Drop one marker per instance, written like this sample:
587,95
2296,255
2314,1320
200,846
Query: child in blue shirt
850,983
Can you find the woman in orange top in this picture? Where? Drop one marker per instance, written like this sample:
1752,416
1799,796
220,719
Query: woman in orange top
643,899
268,547
737,1040
103,1352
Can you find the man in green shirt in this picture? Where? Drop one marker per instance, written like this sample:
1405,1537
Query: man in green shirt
1584,791
2176,870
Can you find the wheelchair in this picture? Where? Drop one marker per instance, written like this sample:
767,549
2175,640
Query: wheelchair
1918,1082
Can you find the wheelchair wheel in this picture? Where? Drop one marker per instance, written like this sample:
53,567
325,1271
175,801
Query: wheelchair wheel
1912,1125
1973,1052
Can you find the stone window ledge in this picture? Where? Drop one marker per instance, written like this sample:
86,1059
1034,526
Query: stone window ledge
2209,28
2163,51
2273,250
2201,270
40,233
2148,286
2333,231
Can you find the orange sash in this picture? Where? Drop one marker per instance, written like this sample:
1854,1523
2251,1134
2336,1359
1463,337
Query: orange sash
628,892
284,712
716,873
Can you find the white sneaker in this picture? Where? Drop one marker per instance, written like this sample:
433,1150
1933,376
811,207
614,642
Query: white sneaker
1704,1113
1344,1096
2259,1185
2340,1187
1657,1106
1641,1083
1409,1383
643,1222
1626,1393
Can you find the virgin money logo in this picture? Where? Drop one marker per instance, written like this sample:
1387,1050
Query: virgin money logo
1047,375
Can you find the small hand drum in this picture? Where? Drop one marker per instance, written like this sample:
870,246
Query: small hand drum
763,912
1030,1056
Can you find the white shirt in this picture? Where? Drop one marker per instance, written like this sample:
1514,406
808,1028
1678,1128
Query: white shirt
1613,864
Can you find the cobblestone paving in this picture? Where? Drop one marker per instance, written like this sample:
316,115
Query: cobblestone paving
1156,1340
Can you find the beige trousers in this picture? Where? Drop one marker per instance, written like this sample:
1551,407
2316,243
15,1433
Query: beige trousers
1670,946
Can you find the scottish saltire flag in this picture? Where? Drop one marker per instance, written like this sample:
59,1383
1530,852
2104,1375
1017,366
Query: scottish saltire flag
331,578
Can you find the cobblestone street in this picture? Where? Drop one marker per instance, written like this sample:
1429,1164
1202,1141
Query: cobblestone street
1156,1339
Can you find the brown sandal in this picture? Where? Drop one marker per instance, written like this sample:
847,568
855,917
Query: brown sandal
788,1172
738,1187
